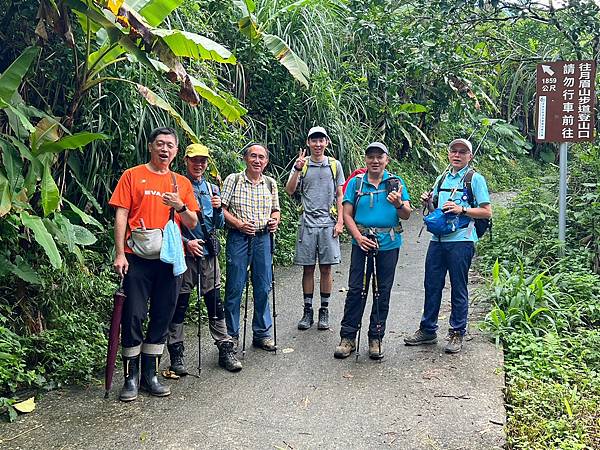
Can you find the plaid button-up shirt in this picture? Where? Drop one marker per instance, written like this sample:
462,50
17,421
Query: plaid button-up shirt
250,202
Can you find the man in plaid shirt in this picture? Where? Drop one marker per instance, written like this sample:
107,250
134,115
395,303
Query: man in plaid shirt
251,208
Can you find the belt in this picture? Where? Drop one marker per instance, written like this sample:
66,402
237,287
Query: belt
391,230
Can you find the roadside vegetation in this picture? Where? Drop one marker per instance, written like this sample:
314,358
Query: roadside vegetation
82,83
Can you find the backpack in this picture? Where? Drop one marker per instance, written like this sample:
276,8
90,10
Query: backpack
481,225
333,169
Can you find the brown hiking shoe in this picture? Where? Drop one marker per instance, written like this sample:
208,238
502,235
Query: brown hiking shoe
346,347
375,349
455,342
266,344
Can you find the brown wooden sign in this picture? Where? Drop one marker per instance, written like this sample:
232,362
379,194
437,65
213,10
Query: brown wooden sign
565,101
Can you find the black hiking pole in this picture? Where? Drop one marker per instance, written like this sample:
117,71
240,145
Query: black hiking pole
248,270
376,301
199,290
272,236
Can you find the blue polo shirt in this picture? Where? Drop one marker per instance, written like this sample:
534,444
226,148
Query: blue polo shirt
373,209
480,192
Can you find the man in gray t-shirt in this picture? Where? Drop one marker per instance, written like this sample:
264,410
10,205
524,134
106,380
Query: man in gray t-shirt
318,180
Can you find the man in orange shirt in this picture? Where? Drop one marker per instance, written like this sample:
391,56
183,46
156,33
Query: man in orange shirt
144,199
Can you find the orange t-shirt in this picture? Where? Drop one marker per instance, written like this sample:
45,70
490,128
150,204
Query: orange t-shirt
140,191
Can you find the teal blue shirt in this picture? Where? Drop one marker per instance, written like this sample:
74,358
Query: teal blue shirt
480,192
373,209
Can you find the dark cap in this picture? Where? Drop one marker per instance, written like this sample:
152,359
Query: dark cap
377,146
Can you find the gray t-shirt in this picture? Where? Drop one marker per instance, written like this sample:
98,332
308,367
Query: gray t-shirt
317,192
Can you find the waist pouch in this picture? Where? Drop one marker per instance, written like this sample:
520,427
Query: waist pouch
146,243
440,223
212,244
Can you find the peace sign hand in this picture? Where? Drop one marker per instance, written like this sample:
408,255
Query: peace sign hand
301,160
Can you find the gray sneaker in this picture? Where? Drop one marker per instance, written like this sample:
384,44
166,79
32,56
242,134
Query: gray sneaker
421,337
455,342
346,347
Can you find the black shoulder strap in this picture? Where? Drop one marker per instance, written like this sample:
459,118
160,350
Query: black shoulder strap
175,189
468,182
439,188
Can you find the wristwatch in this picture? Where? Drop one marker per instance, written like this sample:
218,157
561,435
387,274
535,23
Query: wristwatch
464,211
182,210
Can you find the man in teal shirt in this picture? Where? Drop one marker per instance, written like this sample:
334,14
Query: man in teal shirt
373,204
452,253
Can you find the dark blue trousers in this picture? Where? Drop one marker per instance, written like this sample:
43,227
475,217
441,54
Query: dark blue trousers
453,258
355,305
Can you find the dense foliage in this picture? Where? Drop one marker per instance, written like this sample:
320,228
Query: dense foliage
546,310
83,83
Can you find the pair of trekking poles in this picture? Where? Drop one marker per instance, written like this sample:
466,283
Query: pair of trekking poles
370,255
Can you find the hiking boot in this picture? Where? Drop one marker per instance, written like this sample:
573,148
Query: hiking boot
307,319
227,359
149,380
375,349
266,344
131,383
421,337
455,342
346,347
176,355
323,323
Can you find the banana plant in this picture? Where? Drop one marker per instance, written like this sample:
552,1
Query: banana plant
117,31
255,31
30,200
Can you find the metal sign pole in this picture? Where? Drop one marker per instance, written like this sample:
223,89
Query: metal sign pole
562,196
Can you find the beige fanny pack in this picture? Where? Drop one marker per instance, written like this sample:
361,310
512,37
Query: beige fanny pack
146,243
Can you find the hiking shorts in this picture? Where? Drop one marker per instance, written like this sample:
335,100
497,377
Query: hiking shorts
317,243
207,268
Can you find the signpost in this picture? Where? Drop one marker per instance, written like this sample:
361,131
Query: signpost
565,113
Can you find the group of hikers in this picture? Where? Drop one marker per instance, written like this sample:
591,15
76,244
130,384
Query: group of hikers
371,208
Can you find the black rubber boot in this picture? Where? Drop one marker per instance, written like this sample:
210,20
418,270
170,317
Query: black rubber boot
227,359
307,320
176,352
323,323
149,379
131,384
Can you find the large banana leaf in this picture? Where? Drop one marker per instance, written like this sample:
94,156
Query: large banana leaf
50,193
73,141
156,100
228,107
11,78
286,56
191,45
42,237
155,11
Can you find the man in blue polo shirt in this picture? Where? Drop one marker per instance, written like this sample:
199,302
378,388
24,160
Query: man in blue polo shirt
452,252
373,205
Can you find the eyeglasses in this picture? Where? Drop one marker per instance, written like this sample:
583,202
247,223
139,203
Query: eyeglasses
198,160
458,152
160,144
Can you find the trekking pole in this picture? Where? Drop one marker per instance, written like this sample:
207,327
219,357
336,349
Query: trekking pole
363,300
376,301
272,236
248,270
199,290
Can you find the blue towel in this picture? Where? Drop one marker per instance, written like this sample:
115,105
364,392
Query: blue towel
171,251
